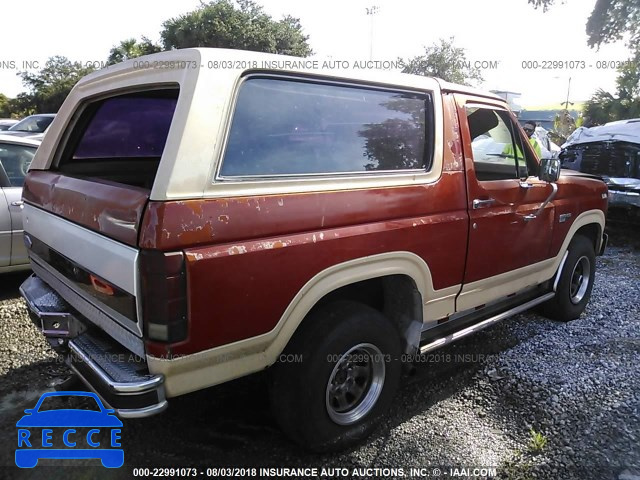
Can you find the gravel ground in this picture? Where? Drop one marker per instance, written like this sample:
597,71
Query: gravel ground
476,403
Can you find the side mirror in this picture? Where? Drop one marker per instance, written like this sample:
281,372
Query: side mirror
549,170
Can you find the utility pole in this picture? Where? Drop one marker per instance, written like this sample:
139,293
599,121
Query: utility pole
372,11
566,104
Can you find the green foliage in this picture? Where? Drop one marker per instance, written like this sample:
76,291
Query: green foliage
604,107
609,21
237,25
537,441
518,467
131,48
612,19
545,4
446,61
5,106
48,88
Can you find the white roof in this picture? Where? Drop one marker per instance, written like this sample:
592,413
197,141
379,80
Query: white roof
208,79
623,130
193,60
19,140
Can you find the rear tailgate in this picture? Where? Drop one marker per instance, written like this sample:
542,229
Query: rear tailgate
83,213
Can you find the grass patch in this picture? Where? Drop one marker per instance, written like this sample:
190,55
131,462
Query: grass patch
537,441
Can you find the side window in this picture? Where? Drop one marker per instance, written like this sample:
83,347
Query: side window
289,127
526,163
495,155
15,160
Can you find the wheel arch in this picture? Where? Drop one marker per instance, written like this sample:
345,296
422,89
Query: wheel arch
405,280
589,224
593,232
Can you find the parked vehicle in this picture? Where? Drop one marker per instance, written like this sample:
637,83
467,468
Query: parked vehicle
6,123
31,125
16,155
328,226
611,151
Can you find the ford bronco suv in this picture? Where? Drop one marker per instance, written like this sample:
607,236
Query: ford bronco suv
199,215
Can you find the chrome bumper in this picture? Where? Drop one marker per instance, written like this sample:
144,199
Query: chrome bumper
619,198
119,376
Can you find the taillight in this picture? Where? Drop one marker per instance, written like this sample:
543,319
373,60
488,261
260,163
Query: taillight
164,295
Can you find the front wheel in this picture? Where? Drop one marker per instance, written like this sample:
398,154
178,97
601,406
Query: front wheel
575,283
342,372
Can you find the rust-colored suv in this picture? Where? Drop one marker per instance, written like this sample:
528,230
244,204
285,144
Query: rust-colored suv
197,215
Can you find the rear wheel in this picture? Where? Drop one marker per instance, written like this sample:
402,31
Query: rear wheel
576,282
342,372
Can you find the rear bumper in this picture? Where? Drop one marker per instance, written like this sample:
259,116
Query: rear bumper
120,377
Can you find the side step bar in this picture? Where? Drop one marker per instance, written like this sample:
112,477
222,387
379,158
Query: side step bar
440,342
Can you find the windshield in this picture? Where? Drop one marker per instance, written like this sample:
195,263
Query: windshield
32,124
69,402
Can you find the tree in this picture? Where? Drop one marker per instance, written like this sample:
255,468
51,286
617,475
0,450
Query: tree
445,61
131,48
5,106
50,86
609,21
241,25
604,107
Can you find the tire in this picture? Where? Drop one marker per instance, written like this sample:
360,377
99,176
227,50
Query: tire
575,284
317,401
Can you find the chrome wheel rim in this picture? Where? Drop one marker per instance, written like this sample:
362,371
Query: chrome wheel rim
580,280
355,384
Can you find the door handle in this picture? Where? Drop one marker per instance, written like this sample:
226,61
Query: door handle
478,203
17,204
526,185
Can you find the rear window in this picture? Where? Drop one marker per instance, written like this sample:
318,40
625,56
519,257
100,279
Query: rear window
127,127
293,127
121,138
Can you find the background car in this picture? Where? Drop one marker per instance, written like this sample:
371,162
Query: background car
32,125
6,123
16,154
611,151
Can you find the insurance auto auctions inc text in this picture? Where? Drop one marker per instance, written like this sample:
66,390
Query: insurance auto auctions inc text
359,472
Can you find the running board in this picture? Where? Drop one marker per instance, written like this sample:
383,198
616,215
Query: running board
485,323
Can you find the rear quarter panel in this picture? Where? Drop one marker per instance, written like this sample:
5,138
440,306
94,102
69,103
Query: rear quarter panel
247,258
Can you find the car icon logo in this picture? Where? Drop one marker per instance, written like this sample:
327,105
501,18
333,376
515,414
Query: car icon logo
86,430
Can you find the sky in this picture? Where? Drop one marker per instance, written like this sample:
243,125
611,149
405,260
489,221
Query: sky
504,37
